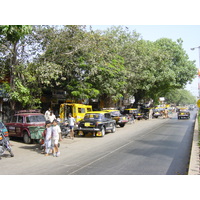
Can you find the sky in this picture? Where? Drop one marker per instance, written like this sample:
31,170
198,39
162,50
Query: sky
190,34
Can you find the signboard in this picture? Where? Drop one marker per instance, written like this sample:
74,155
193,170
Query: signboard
198,103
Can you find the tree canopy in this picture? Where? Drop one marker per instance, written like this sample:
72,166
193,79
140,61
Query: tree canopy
108,64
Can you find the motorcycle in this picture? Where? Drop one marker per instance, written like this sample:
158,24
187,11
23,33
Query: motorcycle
64,130
5,145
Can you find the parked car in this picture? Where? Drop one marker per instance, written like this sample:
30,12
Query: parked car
156,113
183,113
27,124
120,119
97,123
131,112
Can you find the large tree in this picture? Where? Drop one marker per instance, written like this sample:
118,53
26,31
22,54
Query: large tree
180,97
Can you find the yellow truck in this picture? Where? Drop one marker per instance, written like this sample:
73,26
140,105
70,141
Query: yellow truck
77,111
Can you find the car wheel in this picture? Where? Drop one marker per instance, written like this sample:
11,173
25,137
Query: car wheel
102,131
26,138
114,128
121,125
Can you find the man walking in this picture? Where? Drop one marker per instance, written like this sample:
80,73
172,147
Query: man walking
71,122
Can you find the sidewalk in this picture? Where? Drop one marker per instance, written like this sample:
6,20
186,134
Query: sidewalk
194,166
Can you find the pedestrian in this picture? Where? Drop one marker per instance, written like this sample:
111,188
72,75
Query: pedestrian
47,113
150,113
71,122
51,117
48,137
165,113
55,138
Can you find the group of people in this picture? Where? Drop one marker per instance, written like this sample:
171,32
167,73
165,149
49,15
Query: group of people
52,133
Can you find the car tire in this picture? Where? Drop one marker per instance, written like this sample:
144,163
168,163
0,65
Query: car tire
121,125
26,138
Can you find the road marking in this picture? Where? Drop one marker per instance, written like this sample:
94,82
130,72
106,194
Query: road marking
100,158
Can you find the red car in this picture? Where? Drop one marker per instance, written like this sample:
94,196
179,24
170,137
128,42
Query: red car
28,124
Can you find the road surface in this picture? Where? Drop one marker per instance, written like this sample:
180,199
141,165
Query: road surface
148,147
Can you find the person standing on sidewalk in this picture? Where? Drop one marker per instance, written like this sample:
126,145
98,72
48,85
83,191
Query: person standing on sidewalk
51,117
47,113
56,131
71,121
48,136
150,113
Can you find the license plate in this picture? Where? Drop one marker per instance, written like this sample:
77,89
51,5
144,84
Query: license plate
182,113
87,124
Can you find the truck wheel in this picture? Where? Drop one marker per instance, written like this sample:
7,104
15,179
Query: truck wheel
102,131
26,138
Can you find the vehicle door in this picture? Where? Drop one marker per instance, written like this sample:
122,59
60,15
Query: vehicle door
80,113
19,126
108,121
12,126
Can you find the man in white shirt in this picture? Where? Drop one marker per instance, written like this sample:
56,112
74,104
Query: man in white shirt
51,117
55,138
71,122
47,113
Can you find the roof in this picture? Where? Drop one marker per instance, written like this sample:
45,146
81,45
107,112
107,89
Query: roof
97,112
110,110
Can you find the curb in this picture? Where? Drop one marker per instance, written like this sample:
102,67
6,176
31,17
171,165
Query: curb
194,157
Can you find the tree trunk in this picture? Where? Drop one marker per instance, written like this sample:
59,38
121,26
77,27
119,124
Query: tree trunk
106,101
12,74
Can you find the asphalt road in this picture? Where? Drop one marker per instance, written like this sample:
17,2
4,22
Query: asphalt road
148,147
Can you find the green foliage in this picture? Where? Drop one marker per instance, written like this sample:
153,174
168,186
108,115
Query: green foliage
180,97
14,33
87,64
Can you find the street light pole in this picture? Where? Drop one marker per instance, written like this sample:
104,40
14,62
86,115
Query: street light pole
198,70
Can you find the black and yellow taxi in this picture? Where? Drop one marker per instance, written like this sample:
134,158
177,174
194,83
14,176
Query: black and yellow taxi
97,123
183,113
120,119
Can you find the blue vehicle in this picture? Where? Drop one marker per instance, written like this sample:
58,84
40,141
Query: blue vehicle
4,141
3,129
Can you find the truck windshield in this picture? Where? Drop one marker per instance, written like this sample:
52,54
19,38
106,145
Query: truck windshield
35,118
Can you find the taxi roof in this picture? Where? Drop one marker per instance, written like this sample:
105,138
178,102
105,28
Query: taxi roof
110,110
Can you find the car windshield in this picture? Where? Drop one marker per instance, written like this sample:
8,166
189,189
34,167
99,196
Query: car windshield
183,110
1,125
35,118
115,113
92,116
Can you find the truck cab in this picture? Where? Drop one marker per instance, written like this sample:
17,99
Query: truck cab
77,111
